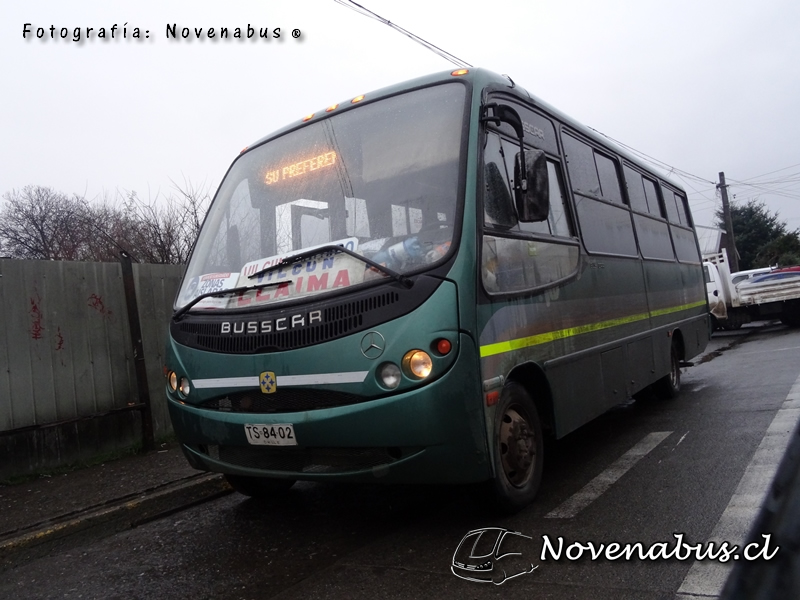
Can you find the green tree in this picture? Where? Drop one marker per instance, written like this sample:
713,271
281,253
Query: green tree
762,239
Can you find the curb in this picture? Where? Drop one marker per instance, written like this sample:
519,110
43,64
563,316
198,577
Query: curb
90,524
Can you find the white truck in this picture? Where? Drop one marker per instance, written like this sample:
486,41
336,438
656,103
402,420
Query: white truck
755,295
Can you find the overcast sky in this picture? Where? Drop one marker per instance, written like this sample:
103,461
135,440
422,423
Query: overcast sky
702,86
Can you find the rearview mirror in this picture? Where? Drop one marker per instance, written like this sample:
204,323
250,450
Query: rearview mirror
533,197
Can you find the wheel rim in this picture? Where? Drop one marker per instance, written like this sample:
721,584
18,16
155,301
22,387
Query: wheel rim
674,371
517,447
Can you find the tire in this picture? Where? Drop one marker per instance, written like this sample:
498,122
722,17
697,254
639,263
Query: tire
518,450
259,487
669,386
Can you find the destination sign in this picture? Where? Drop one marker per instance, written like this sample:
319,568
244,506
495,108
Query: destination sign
300,168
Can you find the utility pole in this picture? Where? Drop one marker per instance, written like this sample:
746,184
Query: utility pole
730,244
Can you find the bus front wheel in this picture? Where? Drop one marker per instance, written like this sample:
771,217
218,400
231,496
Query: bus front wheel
259,487
518,449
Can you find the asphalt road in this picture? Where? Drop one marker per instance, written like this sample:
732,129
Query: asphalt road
644,472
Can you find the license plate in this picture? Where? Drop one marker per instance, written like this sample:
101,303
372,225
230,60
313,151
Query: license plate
271,435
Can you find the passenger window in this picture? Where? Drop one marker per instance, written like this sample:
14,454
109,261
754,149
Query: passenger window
669,205
609,180
685,245
516,265
642,192
605,228
581,167
652,197
592,174
654,240
636,193
683,210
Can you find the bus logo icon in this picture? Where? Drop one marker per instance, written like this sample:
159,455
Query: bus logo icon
268,382
372,345
492,555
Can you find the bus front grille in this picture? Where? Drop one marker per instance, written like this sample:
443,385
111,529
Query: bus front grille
309,460
286,400
337,320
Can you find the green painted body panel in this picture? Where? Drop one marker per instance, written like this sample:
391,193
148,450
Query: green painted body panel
438,416
599,335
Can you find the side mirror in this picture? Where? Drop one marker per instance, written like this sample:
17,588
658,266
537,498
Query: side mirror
532,198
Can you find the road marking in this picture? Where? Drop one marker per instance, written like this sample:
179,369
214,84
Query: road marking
592,490
706,578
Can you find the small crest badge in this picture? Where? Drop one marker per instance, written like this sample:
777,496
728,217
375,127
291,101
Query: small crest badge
268,382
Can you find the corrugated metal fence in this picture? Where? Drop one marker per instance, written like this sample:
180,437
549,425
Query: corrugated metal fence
67,371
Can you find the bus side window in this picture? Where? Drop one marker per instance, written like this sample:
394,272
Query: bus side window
557,222
592,174
651,192
517,257
517,265
636,191
604,220
652,233
669,205
683,210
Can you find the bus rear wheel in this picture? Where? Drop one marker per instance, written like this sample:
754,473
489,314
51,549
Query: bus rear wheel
669,386
518,449
259,487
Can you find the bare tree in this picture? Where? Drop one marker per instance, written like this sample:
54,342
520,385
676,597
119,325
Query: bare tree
40,223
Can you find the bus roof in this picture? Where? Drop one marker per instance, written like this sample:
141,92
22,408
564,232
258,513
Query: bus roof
478,78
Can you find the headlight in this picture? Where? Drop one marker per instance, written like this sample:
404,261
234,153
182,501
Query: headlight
185,389
417,364
172,380
389,374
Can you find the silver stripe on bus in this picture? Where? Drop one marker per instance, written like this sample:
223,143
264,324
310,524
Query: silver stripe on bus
322,378
313,379
200,384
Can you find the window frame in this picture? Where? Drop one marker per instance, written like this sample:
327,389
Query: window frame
517,233
623,205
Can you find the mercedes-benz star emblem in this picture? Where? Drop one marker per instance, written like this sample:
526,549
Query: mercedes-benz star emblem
372,345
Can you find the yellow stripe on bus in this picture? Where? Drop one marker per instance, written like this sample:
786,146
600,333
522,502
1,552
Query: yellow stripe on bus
551,336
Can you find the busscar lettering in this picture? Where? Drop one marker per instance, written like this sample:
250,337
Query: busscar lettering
533,130
268,326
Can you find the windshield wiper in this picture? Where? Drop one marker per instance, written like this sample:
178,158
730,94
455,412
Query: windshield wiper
295,258
245,288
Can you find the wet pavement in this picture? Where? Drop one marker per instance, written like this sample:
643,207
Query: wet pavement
98,500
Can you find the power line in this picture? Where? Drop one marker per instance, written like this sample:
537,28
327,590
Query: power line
654,161
435,49
772,172
670,169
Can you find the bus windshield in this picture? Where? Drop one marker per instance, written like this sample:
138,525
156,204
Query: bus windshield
380,180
